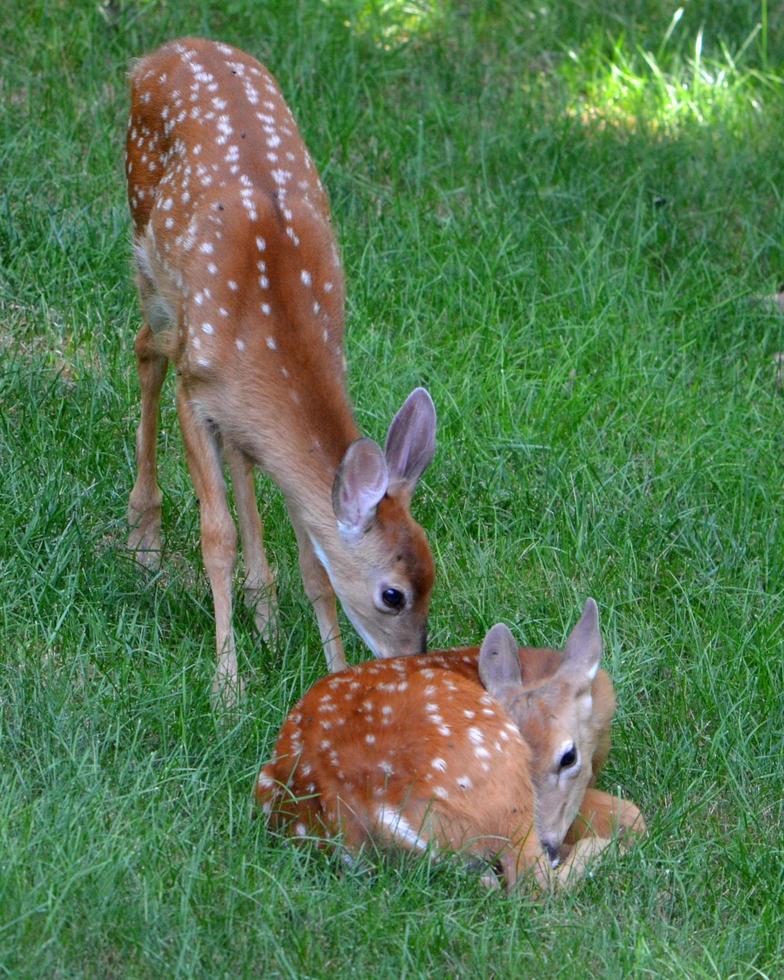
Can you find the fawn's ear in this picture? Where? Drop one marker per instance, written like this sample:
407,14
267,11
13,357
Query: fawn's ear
499,665
411,441
583,649
360,482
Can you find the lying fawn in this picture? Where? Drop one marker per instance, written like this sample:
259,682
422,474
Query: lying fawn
489,753
241,288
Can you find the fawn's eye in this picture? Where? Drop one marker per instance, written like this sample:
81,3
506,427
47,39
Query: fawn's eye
568,759
393,599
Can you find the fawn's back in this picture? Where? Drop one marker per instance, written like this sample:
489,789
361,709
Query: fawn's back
401,751
242,289
417,751
238,265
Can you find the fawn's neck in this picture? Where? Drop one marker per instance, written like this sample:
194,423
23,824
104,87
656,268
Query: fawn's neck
298,436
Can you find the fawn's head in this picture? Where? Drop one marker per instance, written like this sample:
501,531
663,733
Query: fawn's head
556,719
384,572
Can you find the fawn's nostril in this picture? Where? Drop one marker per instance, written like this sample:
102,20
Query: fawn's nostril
553,852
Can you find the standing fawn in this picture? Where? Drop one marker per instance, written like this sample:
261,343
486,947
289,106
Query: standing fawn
491,753
242,289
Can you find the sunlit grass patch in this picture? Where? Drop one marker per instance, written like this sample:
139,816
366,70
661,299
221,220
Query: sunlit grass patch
391,23
629,87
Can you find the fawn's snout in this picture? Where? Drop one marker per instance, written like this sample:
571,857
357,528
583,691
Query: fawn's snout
553,852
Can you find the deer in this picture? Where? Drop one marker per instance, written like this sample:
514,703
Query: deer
490,752
242,290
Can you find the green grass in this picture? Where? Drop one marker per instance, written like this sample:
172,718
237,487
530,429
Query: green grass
559,217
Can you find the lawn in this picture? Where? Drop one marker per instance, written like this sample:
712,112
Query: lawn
566,220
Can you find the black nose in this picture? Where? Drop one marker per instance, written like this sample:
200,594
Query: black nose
553,852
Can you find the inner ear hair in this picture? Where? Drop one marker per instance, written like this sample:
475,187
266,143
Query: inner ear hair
499,664
360,482
583,648
411,441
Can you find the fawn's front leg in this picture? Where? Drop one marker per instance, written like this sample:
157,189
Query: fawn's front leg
259,583
321,595
218,539
603,815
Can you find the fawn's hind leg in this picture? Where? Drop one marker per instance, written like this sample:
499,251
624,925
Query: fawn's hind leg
144,503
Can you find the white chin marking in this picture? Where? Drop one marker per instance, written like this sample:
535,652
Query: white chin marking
592,671
322,558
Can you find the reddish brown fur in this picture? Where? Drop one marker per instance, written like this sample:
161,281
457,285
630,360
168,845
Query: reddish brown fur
242,288
341,793
234,387
369,736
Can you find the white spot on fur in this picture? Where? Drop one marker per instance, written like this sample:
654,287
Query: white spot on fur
399,827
